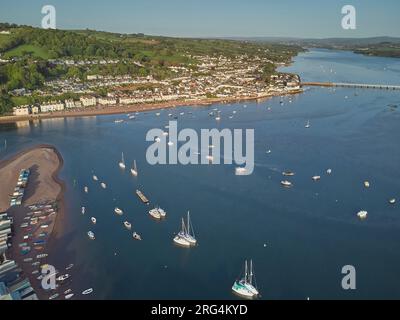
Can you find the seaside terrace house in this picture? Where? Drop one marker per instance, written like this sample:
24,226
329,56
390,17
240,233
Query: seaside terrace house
52,107
21,111
107,101
88,101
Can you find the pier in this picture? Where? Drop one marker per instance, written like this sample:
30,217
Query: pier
351,85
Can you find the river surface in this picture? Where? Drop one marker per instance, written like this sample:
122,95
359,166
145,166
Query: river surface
299,238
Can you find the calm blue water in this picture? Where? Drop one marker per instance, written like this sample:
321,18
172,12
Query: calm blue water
311,230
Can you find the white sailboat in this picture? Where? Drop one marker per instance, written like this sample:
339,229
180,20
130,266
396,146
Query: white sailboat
308,124
134,170
245,287
122,163
186,237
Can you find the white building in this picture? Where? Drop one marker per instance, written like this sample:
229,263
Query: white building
21,111
51,107
107,101
88,101
69,104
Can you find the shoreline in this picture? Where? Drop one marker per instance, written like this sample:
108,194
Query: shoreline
36,191
121,109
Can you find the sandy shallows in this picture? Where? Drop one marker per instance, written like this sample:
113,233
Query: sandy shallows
44,163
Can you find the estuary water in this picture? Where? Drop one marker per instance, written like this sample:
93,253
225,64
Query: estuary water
299,238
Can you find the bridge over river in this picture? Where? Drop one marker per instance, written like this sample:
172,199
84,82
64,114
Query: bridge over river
351,85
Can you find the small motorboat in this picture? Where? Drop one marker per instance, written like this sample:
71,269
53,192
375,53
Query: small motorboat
316,178
83,209
93,220
69,296
286,184
118,211
366,184
86,189
362,215
392,201
91,235
87,291
63,277
307,126
103,185
136,236
288,173
128,225
95,178
329,171
70,266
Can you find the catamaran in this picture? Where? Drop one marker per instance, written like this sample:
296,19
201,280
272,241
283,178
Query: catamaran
157,213
122,163
186,236
245,287
134,170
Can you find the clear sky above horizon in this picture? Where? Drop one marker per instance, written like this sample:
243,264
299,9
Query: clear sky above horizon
213,18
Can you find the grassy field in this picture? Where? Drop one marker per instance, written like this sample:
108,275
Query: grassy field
22,50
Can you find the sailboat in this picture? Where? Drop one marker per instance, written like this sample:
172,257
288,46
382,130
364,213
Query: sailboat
245,287
122,163
186,237
308,124
134,170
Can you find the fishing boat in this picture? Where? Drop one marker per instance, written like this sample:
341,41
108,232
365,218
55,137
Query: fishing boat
286,184
128,225
87,291
288,173
142,197
308,124
69,296
118,211
134,170
93,220
245,287
86,189
103,185
122,163
95,178
362,215
83,209
136,236
91,235
316,178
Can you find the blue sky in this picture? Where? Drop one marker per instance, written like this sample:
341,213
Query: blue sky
213,18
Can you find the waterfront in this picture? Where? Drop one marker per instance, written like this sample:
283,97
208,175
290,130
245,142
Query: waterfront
310,231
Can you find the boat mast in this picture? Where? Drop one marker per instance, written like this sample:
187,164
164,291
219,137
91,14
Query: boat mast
183,226
245,271
134,166
123,160
251,272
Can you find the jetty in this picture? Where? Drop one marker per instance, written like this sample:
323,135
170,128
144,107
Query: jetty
351,85
142,197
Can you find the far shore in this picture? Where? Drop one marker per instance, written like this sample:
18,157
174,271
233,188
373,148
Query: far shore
120,109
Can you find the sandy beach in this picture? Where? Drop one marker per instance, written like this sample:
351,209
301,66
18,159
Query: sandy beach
43,186
121,109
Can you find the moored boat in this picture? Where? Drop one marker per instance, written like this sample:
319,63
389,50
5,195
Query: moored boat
246,287
94,220
87,291
362,214
286,184
128,225
91,235
118,211
136,236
